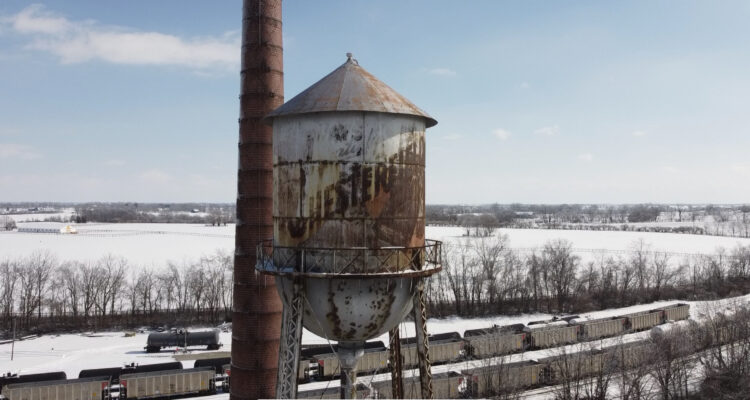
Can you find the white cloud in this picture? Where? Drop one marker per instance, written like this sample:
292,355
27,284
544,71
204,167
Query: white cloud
442,71
501,134
741,168
639,133
21,151
670,169
525,85
114,163
586,157
155,176
35,19
548,130
82,41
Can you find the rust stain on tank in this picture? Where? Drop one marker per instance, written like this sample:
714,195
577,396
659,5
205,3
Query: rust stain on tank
333,315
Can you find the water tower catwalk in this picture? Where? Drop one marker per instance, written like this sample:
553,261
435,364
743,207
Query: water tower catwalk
349,251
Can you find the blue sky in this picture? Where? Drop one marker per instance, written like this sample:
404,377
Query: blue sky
536,101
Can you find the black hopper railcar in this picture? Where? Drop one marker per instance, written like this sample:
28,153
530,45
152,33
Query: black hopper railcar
216,363
113,373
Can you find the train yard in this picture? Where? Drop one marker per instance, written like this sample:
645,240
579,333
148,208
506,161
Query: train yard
474,364
477,366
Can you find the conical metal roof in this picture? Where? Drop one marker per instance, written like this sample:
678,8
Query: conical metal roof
350,88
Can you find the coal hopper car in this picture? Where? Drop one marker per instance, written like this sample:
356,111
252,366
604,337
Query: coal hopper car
445,385
374,359
171,383
47,376
497,340
70,389
444,347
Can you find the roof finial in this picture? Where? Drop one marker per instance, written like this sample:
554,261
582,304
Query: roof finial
350,59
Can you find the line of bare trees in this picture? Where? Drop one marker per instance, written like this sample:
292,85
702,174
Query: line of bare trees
485,276
40,288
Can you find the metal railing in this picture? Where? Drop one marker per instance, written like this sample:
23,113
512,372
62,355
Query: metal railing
353,262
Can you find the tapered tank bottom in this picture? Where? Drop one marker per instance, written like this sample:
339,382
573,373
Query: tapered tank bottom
351,310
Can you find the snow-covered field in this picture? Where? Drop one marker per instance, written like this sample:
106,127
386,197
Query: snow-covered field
602,240
155,244
141,244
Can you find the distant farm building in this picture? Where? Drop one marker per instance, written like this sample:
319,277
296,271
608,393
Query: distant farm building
47,228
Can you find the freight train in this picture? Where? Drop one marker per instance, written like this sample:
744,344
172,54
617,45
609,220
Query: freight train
496,378
321,362
132,382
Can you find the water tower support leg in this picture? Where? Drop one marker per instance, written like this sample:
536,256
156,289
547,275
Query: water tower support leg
289,346
397,383
423,347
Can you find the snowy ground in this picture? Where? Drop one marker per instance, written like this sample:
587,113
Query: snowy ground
155,244
71,353
141,244
601,240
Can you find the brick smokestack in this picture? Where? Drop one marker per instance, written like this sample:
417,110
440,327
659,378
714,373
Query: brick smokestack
257,308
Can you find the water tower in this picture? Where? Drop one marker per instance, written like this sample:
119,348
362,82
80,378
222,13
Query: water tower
349,251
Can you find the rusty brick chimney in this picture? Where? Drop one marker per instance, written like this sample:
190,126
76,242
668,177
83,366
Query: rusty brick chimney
257,307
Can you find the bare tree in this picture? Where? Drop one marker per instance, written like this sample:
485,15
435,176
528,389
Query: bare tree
489,253
110,278
662,274
487,223
568,369
631,363
538,280
457,269
726,362
8,287
639,261
69,276
740,262
145,290
670,366
41,265
625,274
90,284
563,266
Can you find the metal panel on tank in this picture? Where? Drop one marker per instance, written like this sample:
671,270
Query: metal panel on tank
349,179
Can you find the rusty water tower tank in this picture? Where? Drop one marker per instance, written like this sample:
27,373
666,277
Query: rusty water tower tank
349,206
